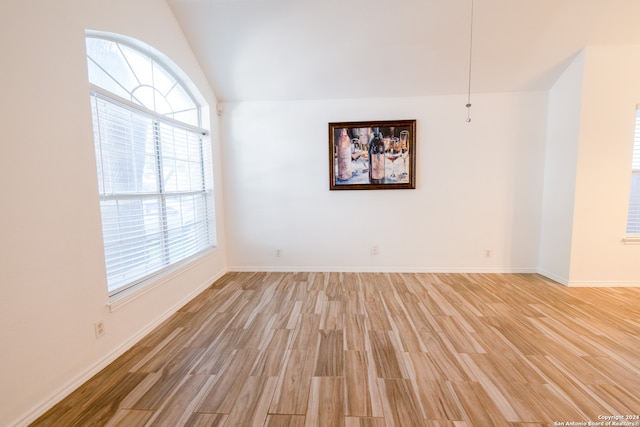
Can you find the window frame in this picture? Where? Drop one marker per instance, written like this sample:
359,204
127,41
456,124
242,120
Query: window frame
632,232
202,198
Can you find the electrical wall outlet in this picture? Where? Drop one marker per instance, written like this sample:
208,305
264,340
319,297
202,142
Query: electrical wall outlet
374,250
99,328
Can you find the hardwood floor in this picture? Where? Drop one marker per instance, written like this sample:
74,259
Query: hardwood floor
374,349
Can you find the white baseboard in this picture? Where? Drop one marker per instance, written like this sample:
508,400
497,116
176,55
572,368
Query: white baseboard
588,283
384,270
601,284
46,404
555,277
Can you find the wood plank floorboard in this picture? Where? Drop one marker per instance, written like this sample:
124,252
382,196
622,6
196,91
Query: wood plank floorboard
375,349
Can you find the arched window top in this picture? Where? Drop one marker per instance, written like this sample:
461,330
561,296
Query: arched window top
122,69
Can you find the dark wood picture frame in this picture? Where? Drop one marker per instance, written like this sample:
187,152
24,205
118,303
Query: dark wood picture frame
390,143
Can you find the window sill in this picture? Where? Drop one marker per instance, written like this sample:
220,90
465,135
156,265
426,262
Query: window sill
631,240
116,302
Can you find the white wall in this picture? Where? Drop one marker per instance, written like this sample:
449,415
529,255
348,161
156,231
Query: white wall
561,159
611,91
479,187
52,273
591,118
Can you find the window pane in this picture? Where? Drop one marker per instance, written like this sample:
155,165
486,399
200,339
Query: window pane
633,221
182,160
144,96
162,105
181,101
140,65
132,239
187,116
98,77
108,55
126,154
186,224
162,80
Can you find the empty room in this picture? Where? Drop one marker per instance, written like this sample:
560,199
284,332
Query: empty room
320,213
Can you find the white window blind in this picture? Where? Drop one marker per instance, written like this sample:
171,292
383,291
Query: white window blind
155,190
633,219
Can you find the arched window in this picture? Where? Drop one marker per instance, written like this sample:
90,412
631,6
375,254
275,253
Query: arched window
153,158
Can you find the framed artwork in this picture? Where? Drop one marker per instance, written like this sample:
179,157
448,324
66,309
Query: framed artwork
373,155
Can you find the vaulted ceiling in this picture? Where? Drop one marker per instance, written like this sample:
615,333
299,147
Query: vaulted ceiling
315,49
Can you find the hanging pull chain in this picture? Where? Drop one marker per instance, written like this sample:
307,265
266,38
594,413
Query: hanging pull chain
470,56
